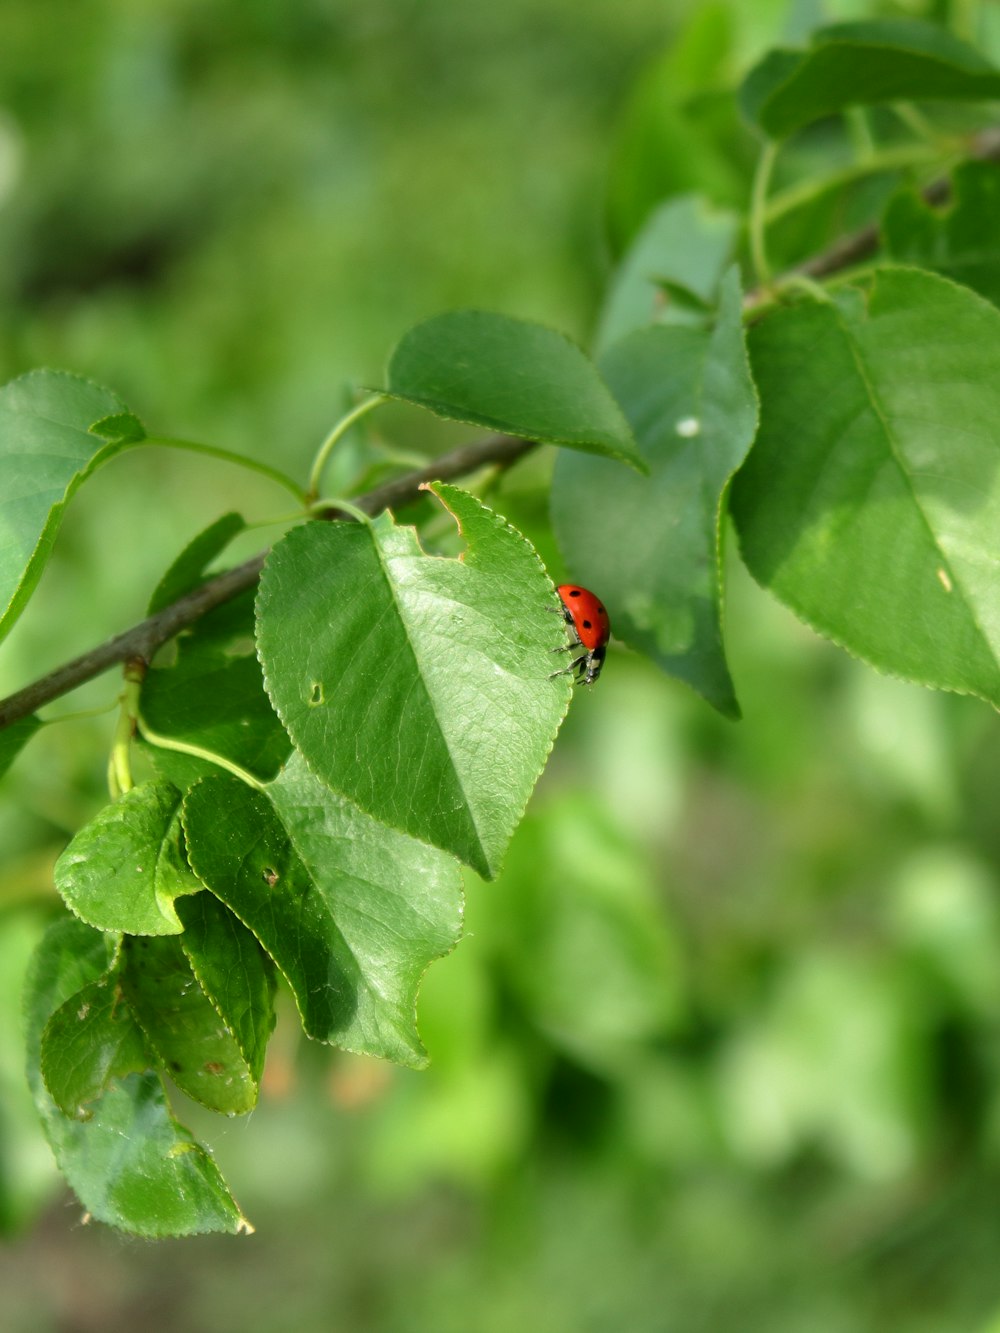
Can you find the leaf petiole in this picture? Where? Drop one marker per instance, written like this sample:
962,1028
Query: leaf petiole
120,758
228,456
326,448
198,752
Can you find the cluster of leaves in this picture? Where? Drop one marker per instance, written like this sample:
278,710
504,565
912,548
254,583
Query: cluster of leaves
327,748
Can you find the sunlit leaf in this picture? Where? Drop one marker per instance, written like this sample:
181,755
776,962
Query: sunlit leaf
870,503
417,686
124,869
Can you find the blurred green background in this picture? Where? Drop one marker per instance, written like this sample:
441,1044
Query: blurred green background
721,1049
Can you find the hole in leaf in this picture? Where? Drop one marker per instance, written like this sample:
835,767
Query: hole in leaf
316,694
270,876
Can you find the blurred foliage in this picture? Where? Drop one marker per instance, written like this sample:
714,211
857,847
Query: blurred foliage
721,1049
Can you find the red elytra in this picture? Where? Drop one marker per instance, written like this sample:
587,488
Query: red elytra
588,620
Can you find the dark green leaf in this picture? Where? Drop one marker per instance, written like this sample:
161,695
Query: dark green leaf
960,240
183,1027
417,686
864,64
206,689
131,1164
512,376
13,739
870,503
685,245
124,869
654,555
46,451
189,568
88,1042
352,912
235,973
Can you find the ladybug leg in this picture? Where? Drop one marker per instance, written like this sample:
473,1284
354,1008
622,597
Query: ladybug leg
595,660
579,666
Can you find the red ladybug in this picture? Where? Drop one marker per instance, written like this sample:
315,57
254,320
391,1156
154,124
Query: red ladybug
591,631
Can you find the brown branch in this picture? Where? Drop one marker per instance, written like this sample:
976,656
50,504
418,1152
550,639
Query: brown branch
143,639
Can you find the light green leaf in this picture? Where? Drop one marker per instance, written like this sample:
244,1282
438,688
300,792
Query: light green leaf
655,554
88,1042
416,686
870,503
683,247
47,449
958,241
512,376
864,64
131,1164
124,869
352,912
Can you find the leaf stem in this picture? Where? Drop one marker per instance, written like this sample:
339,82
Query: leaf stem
228,456
758,213
326,448
198,752
120,758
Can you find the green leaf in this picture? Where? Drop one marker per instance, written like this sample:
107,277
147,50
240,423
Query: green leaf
352,912
207,689
46,451
124,869
870,503
655,553
131,1164
119,428
188,570
686,245
14,737
864,64
415,686
89,1042
189,1035
512,376
234,972
958,241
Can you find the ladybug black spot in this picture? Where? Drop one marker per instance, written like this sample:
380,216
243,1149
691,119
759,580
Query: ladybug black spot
586,624
574,592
